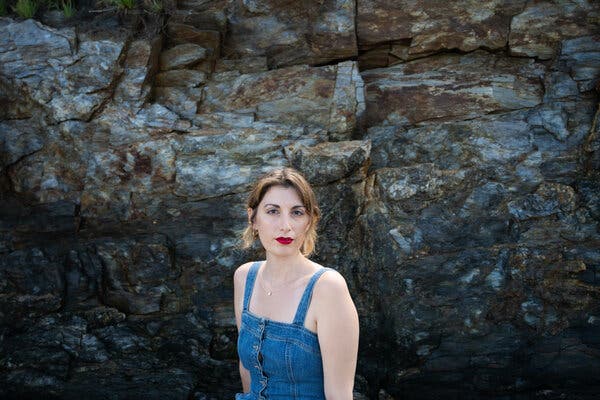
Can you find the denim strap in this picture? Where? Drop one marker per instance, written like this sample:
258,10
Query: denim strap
306,296
250,278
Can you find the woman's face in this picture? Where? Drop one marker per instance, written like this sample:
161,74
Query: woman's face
281,220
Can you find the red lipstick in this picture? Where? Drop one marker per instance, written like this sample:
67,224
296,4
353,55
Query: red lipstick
284,240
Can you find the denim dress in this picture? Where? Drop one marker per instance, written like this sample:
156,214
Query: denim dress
284,359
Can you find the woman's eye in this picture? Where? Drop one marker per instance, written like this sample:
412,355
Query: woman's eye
272,211
298,213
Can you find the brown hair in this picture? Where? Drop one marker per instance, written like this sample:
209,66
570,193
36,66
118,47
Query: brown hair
286,177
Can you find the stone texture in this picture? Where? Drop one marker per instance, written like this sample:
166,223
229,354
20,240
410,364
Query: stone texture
179,99
459,193
245,65
70,80
450,87
329,162
433,26
181,78
139,65
180,33
32,285
216,163
291,33
19,139
539,29
181,56
581,57
329,97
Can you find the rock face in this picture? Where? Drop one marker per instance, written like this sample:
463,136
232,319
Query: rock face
291,32
454,150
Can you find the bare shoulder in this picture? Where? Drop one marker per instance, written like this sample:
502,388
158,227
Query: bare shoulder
331,285
333,303
240,274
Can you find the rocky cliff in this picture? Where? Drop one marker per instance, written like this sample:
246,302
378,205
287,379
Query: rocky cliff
453,146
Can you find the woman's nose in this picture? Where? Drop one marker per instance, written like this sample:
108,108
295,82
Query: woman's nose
285,223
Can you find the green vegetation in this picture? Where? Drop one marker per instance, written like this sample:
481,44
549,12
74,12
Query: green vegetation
68,8
123,5
30,8
26,8
154,6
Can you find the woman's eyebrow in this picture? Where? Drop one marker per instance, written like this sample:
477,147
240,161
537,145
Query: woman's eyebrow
275,205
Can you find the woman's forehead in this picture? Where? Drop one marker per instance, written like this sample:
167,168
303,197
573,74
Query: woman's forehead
282,196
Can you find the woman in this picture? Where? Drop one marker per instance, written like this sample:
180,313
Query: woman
297,324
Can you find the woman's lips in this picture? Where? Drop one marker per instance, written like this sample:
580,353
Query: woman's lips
284,240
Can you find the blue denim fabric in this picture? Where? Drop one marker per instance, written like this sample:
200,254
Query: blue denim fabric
284,359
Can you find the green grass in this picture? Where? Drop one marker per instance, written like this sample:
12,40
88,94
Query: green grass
3,8
123,4
26,8
68,9
155,6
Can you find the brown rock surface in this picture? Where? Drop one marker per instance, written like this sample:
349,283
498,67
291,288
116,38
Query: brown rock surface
433,25
540,28
327,97
450,87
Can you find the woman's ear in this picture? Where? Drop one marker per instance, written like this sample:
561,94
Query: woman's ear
250,211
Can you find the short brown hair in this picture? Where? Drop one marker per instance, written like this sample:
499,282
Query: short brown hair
286,177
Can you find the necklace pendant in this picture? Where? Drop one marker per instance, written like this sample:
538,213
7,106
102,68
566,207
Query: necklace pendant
269,293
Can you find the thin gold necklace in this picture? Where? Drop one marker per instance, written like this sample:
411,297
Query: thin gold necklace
269,292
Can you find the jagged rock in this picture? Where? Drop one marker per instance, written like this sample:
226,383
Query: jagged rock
498,143
450,86
329,162
247,65
202,14
181,56
539,29
291,33
179,33
180,77
582,55
217,162
422,182
19,139
13,105
103,316
181,100
329,97
32,285
135,274
547,200
137,377
433,26
140,64
225,120
78,78
462,205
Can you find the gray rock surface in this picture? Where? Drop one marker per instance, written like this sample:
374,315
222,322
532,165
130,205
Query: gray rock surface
181,56
291,33
454,151
539,29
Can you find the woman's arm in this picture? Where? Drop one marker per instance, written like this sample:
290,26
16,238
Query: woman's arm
239,283
337,329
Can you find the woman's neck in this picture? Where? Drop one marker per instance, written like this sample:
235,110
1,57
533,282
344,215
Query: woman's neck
280,270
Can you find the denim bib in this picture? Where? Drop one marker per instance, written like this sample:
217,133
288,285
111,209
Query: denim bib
284,359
